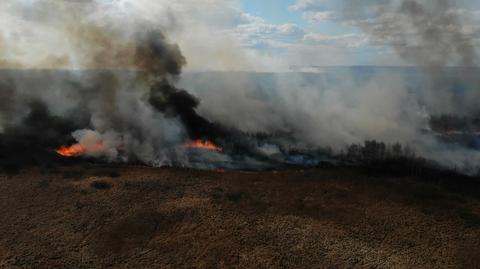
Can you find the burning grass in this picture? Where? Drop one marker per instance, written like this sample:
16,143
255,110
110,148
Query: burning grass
77,150
72,151
201,144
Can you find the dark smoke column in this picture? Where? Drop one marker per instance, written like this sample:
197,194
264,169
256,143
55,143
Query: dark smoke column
163,63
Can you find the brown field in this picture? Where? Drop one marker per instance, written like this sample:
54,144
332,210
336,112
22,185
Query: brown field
136,217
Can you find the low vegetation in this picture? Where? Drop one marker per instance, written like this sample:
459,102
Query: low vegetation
379,158
340,217
107,173
10,169
101,185
75,174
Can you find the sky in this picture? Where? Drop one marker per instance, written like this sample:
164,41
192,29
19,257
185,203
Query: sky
273,11
325,26
248,35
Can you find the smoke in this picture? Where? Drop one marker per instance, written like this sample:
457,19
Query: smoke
428,33
29,140
120,93
431,35
111,75
343,106
330,109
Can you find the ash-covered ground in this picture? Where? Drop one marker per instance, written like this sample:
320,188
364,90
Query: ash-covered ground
97,216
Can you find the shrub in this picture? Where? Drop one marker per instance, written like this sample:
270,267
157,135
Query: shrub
107,173
471,220
73,174
49,170
101,185
235,196
11,169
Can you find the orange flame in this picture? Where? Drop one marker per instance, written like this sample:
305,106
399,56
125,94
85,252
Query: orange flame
200,144
78,150
72,151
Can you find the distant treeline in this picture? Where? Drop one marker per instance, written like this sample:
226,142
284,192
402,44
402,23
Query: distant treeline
372,151
392,159
447,123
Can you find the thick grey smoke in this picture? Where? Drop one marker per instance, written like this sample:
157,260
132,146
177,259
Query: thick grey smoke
119,98
106,78
383,104
428,34
434,36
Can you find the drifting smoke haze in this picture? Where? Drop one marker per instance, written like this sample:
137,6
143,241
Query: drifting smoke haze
428,34
345,106
135,114
121,100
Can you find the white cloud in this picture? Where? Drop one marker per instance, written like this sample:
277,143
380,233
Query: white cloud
320,16
258,29
305,5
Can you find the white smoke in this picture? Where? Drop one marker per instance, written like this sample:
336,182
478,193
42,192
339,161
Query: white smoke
322,111
96,34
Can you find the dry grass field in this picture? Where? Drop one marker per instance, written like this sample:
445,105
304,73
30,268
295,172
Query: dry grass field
94,216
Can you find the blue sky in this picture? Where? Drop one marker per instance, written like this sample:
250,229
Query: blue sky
274,11
279,12
295,13
307,31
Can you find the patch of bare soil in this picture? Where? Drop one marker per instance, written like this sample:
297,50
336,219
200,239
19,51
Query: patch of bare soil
136,217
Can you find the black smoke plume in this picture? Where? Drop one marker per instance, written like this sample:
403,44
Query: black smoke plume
34,140
162,63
